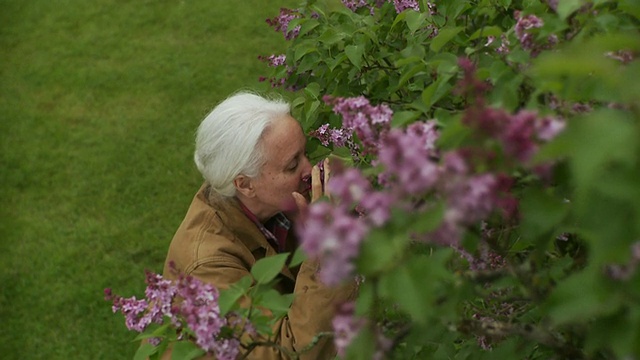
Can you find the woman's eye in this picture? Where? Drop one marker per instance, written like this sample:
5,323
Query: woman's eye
293,166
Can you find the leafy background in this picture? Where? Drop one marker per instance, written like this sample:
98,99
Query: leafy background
99,102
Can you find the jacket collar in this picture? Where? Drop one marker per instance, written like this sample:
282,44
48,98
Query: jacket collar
232,216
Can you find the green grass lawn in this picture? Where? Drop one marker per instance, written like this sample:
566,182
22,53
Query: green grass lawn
99,102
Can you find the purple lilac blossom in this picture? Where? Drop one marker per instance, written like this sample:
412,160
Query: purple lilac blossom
376,207
358,115
402,5
198,310
522,29
622,272
504,45
349,186
433,10
354,5
274,60
281,22
346,326
337,137
335,235
406,159
520,134
624,56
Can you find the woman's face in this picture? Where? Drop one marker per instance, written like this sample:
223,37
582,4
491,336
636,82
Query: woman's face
285,170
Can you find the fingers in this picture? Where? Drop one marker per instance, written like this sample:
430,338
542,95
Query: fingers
327,173
316,184
301,202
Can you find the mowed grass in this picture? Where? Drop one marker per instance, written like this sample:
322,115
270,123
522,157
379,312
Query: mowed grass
99,102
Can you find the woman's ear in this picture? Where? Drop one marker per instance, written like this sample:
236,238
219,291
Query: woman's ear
244,185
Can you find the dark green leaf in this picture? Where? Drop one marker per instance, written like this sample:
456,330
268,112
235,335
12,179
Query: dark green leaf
541,212
355,53
185,350
444,36
144,351
266,269
278,303
229,297
298,257
581,297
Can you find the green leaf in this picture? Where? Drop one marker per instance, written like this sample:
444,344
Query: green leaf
363,346
408,74
331,36
444,36
567,7
486,31
428,221
144,351
415,20
279,304
298,257
379,251
414,284
355,54
229,297
401,118
154,331
581,297
303,49
541,211
312,90
592,142
185,350
630,6
436,90
266,269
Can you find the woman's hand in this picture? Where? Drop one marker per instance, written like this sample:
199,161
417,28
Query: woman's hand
319,180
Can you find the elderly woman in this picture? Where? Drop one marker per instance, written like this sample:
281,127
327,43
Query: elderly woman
251,153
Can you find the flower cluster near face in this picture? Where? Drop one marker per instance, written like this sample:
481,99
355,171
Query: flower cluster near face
190,305
368,121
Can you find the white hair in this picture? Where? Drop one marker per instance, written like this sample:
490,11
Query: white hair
228,141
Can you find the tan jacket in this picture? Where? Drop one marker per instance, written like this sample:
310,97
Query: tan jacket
217,243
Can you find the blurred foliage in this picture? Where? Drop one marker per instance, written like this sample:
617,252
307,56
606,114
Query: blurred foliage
569,287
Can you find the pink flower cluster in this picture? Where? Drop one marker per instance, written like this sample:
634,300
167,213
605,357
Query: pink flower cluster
400,5
622,272
197,310
281,22
333,234
520,134
369,122
524,32
338,137
347,325
275,61
523,26
354,5
412,168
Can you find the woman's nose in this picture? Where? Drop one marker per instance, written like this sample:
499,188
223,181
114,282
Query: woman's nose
306,167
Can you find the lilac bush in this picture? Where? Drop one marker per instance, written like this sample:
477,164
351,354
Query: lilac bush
489,163
189,305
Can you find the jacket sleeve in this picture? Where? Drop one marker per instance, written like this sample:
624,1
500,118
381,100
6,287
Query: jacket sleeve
311,312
